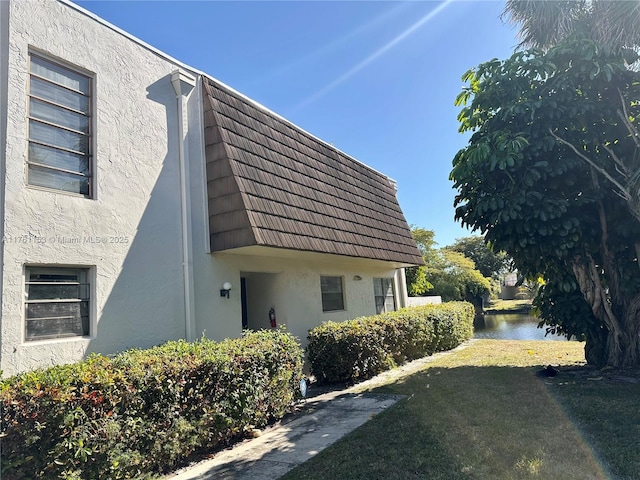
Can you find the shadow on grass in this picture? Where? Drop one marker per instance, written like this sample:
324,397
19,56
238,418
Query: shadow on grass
604,405
494,422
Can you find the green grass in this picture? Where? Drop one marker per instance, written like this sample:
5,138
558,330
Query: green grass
482,413
508,306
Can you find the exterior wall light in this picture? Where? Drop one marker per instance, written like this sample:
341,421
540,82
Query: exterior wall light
226,288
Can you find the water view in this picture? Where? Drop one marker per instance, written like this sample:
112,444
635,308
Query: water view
510,326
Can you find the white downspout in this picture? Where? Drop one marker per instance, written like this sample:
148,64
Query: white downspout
402,288
183,83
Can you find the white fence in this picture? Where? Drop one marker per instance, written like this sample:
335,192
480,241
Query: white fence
418,301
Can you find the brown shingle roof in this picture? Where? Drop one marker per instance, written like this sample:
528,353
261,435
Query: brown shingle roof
271,183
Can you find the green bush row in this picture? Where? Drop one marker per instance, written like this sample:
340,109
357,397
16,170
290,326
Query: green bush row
362,348
143,412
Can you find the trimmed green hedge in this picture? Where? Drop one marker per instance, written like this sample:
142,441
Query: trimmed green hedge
144,412
361,348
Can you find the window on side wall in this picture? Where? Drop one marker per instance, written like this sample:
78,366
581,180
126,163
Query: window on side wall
332,294
384,295
56,302
59,128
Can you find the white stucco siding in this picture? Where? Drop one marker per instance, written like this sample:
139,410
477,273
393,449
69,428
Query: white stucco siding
129,233
291,285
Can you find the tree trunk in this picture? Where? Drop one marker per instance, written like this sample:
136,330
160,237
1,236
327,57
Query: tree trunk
618,343
595,348
616,309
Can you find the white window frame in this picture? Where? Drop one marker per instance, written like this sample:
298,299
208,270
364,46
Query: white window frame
52,105
326,307
83,300
381,297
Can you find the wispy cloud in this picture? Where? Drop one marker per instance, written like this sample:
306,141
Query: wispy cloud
335,44
374,56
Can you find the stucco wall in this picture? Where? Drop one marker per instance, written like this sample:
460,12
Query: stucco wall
130,233
291,284
4,79
135,213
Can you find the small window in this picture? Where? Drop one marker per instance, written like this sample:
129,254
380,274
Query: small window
57,302
332,294
384,295
59,128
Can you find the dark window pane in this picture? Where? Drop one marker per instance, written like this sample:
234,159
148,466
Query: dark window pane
332,293
52,292
332,302
379,304
331,284
53,310
48,275
39,329
57,302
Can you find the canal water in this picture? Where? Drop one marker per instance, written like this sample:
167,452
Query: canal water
510,326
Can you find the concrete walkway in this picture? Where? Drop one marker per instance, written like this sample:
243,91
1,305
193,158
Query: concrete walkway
323,420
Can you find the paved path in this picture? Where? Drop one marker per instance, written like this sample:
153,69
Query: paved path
325,419
321,421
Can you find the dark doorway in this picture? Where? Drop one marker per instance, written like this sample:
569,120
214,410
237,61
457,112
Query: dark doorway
243,301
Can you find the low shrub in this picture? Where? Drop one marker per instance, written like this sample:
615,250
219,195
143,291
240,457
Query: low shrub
363,347
143,412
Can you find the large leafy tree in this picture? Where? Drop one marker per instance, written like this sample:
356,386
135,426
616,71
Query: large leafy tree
446,273
417,283
491,264
550,176
455,277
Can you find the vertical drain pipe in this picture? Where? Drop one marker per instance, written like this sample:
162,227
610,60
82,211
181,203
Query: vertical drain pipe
402,288
183,83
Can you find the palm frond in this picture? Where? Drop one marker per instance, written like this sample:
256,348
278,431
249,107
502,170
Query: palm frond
617,24
542,22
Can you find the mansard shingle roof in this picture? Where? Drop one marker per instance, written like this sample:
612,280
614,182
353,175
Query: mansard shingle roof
272,184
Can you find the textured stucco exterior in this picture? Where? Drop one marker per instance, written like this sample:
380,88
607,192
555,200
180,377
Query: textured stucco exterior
290,283
132,234
129,233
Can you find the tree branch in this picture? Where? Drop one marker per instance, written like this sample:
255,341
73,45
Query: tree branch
624,115
593,164
610,318
621,168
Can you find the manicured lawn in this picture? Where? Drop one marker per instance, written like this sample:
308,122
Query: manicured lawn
482,413
508,306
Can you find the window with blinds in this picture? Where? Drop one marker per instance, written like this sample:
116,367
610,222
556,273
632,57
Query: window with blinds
332,292
384,295
59,128
56,302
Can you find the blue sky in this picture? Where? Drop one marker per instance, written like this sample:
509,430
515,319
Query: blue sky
376,79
